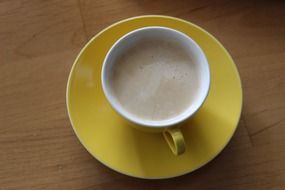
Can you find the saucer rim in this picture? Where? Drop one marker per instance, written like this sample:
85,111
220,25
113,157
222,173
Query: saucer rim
141,17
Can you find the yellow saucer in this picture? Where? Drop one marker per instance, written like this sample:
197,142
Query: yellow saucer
111,140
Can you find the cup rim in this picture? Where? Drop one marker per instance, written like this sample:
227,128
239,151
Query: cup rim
148,123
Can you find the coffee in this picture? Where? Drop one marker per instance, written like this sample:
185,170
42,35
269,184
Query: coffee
155,79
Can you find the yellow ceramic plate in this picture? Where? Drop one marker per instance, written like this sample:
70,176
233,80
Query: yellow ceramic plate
113,142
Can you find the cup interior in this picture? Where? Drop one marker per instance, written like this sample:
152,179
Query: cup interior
148,33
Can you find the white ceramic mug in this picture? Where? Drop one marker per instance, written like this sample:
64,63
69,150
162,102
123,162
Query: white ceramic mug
169,127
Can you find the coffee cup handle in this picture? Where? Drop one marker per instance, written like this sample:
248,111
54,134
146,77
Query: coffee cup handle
175,140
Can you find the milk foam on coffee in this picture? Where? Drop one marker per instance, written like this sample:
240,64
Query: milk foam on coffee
155,79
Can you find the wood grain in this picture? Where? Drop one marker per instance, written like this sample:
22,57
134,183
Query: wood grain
39,41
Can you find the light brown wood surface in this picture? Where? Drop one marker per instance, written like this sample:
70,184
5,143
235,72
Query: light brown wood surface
39,41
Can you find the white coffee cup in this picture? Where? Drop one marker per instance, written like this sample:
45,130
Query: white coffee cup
169,127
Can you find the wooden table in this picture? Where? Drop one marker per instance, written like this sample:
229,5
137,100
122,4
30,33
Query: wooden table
39,41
